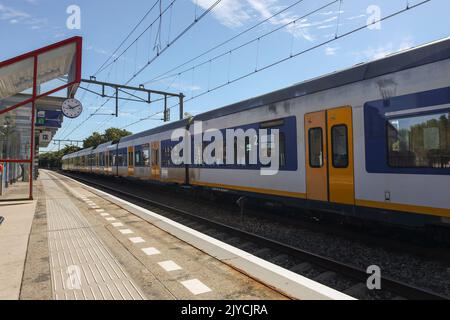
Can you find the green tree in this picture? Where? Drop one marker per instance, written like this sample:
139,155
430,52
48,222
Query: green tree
114,134
53,160
111,134
93,140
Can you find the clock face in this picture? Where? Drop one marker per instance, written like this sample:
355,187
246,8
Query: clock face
72,108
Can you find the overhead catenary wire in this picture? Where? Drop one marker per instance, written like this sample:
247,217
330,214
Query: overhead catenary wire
115,60
127,37
157,78
161,14
179,36
353,31
249,42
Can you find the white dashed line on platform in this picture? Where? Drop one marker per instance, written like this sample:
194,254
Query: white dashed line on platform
169,266
137,240
100,210
151,251
111,219
196,287
126,231
104,214
117,224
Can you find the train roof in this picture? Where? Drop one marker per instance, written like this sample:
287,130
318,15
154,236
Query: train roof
78,153
407,59
85,152
103,146
170,126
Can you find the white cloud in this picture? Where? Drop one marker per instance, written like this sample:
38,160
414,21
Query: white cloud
356,17
331,51
235,13
8,13
267,8
329,13
15,16
107,53
230,13
373,53
185,87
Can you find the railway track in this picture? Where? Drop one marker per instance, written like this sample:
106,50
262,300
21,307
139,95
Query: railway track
340,276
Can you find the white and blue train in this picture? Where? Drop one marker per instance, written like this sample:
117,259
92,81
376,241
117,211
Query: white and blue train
372,141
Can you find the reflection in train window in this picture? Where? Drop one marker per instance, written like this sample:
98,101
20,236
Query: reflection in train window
146,155
419,141
316,148
155,157
339,145
269,147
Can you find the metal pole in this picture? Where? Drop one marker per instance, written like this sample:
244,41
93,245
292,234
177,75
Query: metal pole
181,106
165,109
33,120
117,102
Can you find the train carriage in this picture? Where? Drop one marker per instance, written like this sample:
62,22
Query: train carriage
100,154
150,154
372,141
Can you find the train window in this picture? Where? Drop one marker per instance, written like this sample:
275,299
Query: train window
248,149
235,152
419,141
272,124
282,150
166,159
316,148
155,157
339,145
146,155
110,159
138,158
270,148
130,159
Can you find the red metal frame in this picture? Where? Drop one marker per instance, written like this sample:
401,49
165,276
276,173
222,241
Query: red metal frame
34,54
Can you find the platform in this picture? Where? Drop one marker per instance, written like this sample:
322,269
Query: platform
14,235
73,244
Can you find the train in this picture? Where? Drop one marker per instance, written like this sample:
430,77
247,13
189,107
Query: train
370,142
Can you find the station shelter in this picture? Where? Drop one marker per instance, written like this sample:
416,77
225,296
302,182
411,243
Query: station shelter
33,87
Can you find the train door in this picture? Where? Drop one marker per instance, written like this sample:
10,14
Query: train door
130,161
340,151
316,156
155,162
329,156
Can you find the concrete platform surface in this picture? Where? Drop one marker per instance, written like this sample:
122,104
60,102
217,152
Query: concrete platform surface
14,235
283,280
90,248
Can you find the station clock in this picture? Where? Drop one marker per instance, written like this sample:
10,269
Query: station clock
72,108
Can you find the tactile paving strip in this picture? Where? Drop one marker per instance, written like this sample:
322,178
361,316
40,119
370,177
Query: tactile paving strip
81,265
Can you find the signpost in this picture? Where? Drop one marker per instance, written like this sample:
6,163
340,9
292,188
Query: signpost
49,119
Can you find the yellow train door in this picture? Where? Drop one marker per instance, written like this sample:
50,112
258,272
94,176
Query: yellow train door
130,161
316,156
340,151
155,163
329,156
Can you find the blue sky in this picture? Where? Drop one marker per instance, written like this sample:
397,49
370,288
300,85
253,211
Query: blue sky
29,24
